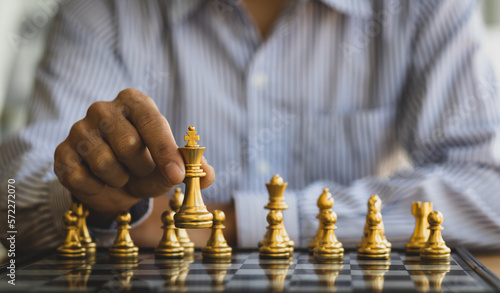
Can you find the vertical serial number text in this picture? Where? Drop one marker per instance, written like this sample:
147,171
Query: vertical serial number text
11,230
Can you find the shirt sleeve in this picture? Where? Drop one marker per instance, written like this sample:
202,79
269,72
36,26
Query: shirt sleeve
448,123
80,66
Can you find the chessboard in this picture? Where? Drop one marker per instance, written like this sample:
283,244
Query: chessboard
245,271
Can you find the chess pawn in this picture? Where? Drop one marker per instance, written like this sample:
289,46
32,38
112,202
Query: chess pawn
169,246
83,231
71,247
375,204
325,202
435,247
217,247
374,247
276,189
329,248
182,235
123,247
274,246
417,241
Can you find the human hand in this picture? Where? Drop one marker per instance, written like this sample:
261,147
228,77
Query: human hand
122,151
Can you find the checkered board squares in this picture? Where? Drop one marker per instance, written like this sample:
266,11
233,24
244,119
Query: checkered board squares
245,272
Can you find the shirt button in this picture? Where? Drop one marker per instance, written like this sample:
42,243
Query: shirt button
259,80
263,167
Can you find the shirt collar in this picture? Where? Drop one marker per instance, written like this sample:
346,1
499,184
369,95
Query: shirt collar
178,10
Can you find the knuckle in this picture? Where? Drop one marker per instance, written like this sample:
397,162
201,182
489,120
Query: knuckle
76,180
98,109
78,129
102,164
148,121
128,145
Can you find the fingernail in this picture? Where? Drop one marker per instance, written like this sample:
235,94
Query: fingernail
175,174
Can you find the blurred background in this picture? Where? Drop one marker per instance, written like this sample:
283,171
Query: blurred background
23,32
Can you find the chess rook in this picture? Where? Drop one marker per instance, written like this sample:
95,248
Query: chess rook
123,247
435,247
325,202
182,235
193,213
71,247
217,247
417,241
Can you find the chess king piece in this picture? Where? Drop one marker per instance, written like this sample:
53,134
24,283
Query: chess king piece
417,241
374,247
274,246
329,248
182,235
169,246
83,231
276,189
217,247
325,202
375,204
435,248
123,247
193,213
71,247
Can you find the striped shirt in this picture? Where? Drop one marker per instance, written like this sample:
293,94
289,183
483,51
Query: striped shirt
388,97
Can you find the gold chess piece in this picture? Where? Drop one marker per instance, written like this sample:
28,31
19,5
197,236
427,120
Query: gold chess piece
435,247
123,247
374,247
421,211
193,213
169,246
274,246
325,202
375,204
329,248
71,247
276,189
83,231
182,235
217,247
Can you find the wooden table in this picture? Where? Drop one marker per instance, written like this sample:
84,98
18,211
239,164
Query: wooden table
490,260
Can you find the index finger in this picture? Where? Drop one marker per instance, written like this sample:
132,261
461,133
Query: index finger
156,133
